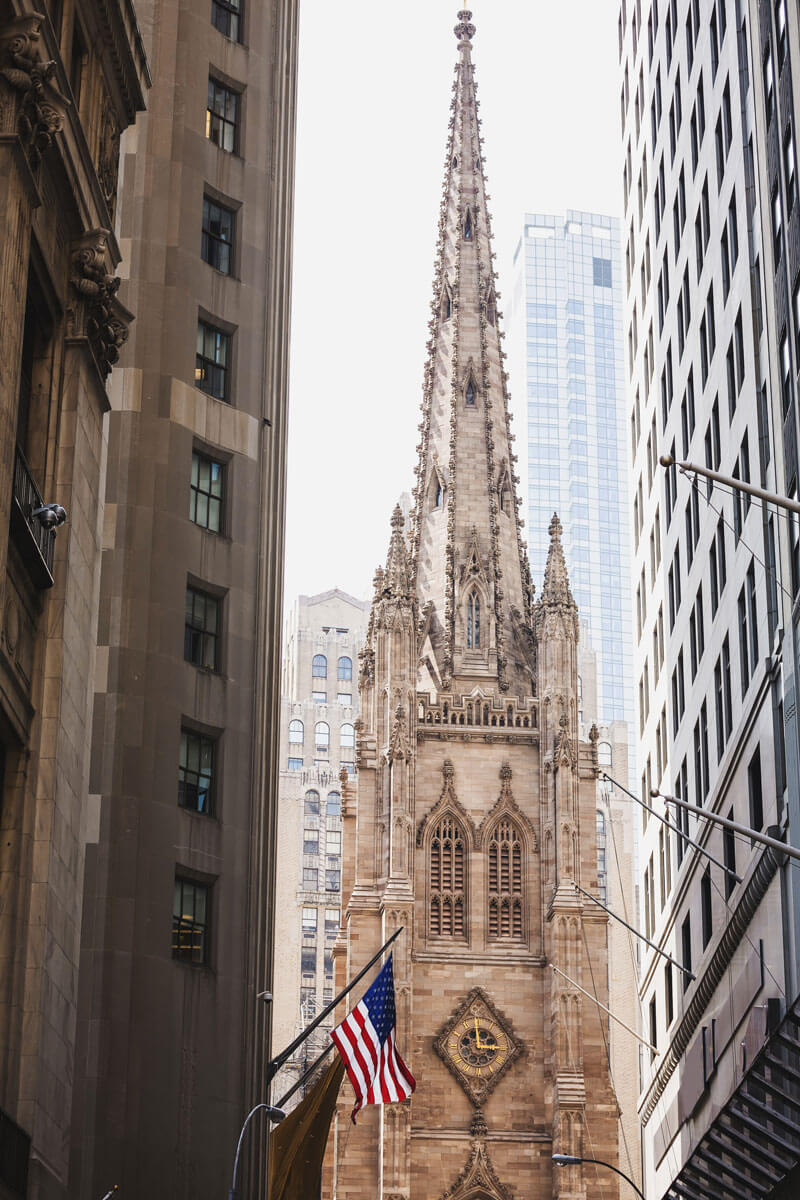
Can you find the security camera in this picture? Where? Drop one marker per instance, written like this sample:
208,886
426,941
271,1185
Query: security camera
50,516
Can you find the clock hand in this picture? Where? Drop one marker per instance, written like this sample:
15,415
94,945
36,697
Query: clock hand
478,1043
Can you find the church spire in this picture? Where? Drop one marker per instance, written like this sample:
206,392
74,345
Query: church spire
467,558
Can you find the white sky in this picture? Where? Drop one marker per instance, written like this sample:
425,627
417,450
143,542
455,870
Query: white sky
373,106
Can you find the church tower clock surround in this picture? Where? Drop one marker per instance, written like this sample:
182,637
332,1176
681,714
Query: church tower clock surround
474,806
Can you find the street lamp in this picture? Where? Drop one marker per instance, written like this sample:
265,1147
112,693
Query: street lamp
273,1114
572,1160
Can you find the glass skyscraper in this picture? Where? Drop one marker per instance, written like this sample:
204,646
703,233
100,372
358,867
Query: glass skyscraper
567,345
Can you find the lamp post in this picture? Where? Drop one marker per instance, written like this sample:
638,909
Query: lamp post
572,1160
273,1114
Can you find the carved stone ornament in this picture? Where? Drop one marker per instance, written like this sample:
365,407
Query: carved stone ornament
398,739
464,30
38,109
506,805
448,802
98,315
108,156
478,1180
477,1045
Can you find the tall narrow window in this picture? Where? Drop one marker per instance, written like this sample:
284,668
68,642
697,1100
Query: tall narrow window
212,360
470,394
222,116
201,629
191,911
468,227
319,667
196,772
505,883
217,240
206,492
447,880
473,621
225,16
345,668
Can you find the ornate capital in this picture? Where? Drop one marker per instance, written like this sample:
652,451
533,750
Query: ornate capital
97,314
464,30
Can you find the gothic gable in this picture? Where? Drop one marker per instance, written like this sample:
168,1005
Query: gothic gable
506,806
448,802
478,1180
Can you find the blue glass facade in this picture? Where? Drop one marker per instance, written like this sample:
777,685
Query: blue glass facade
566,328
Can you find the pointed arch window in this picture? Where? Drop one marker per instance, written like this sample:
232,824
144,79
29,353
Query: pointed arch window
505,884
470,394
468,226
447,875
473,621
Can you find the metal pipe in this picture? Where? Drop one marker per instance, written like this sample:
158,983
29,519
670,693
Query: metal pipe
735,826
594,1000
274,1114
739,485
638,932
670,825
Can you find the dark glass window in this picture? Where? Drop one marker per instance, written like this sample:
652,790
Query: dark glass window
222,116
218,230
755,792
212,360
226,17
729,852
705,898
686,947
601,268
196,772
206,492
191,913
201,629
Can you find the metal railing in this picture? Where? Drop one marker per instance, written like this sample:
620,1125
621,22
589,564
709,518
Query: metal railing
36,543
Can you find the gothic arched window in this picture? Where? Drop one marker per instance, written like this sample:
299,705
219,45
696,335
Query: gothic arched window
468,227
470,395
319,667
505,883
473,621
447,876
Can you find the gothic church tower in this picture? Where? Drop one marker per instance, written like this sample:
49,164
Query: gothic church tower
474,810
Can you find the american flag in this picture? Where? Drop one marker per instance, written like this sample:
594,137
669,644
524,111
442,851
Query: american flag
365,1039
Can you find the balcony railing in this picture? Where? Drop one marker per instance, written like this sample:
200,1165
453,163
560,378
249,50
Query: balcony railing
35,543
15,1148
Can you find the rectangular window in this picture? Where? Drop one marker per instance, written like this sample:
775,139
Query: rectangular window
653,1028
217,240
295,764
332,880
729,856
754,791
222,116
201,629
309,921
206,492
212,360
310,879
705,905
786,373
191,919
669,1000
196,772
310,841
752,615
769,85
686,947
777,225
744,660
333,842
226,16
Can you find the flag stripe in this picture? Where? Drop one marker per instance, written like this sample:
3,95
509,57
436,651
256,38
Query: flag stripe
366,1040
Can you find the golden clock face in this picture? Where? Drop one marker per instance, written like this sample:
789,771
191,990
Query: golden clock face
477,1046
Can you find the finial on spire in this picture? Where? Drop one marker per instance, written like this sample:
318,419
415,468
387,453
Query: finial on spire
556,589
398,520
556,528
464,30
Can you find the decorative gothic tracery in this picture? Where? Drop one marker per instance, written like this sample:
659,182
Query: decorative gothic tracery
447,874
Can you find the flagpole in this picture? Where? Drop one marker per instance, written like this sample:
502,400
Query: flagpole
307,1074
277,1062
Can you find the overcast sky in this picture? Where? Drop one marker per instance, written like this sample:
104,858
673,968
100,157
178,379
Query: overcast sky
374,93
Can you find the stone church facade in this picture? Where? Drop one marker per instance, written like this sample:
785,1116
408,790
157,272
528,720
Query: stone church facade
474,809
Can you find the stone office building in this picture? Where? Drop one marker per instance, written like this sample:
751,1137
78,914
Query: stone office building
475,806
72,77
139,673
319,709
177,931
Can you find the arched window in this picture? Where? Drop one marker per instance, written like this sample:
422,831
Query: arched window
319,667
473,621
471,395
505,883
447,880
295,733
604,754
347,736
312,803
438,494
468,227
333,804
322,735
602,865
345,668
